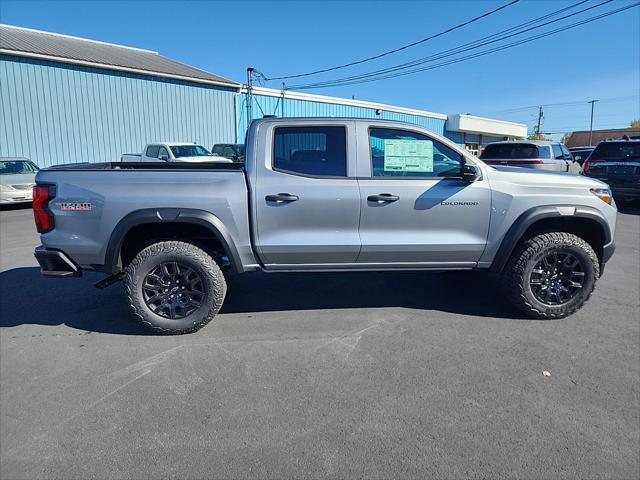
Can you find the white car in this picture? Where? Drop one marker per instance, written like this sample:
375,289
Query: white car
539,154
174,152
17,178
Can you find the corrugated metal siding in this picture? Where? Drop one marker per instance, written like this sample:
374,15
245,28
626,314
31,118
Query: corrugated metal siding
54,113
286,107
459,138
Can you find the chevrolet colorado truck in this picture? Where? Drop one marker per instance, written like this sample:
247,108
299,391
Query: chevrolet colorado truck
322,194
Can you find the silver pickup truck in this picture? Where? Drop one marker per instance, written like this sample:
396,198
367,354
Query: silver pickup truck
325,194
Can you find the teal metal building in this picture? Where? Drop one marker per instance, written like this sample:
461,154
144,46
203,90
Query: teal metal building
66,99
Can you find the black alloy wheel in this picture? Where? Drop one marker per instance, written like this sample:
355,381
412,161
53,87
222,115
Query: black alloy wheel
557,278
173,290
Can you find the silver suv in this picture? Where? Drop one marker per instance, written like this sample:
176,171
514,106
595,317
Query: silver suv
530,154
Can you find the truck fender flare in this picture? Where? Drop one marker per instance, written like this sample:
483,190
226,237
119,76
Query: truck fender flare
531,216
169,215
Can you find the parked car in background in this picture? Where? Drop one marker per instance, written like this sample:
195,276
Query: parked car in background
325,194
530,154
580,154
174,152
234,151
17,179
617,162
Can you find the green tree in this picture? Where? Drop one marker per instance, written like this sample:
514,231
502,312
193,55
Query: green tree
635,123
537,136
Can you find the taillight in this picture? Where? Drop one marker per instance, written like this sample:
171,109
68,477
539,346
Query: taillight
42,195
528,162
587,165
513,163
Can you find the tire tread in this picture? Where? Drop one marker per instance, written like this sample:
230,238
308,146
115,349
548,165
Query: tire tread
513,280
172,247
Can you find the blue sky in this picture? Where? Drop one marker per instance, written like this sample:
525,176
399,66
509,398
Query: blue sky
600,60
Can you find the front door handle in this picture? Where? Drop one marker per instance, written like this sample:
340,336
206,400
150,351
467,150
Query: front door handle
281,197
383,197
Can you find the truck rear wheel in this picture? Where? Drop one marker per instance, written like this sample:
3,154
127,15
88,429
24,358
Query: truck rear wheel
551,275
174,287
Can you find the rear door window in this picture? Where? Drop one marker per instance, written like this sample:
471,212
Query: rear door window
152,151
311,151
557,152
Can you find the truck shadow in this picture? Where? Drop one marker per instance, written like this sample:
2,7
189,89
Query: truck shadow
28,298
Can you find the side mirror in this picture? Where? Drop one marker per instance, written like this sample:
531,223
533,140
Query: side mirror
163,158
469,172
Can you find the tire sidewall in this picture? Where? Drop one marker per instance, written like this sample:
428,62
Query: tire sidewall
579,298
212,301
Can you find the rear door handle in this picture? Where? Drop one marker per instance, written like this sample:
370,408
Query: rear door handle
281,197
383,197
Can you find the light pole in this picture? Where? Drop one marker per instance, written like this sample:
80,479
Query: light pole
592,102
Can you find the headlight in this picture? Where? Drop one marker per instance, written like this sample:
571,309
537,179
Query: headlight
6,188
603,194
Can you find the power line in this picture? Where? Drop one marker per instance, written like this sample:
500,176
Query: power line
493,38
372,77
395,50
550,105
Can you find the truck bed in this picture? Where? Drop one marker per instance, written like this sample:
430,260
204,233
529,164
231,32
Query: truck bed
88,166
91,199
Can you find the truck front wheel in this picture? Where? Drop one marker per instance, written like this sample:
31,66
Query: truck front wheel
174,287
551,275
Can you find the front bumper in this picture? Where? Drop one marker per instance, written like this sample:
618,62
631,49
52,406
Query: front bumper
607,251
17,196
55,263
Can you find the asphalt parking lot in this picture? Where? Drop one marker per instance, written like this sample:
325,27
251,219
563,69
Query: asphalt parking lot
373,375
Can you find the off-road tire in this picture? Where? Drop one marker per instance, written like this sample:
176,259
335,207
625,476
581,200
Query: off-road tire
517,273
213,281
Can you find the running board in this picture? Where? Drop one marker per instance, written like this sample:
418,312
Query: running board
110,280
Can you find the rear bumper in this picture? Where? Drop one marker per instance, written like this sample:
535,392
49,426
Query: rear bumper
55,263
624,187
625,192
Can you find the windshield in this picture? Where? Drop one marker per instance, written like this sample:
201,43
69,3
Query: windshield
189,151
619,151
12,167
514,150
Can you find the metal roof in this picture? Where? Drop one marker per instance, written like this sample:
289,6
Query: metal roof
526,142
63,48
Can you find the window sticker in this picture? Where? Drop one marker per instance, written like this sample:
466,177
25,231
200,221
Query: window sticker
408,155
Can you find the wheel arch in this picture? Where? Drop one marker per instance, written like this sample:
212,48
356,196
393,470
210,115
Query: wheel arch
186,217
585,222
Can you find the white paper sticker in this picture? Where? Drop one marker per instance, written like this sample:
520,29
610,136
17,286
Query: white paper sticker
408,156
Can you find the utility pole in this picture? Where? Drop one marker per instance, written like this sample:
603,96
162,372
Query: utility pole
249,95
540,115
592,102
